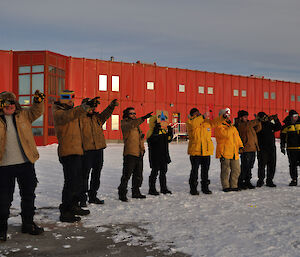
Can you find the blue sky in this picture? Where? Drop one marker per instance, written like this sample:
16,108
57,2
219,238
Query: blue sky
245,37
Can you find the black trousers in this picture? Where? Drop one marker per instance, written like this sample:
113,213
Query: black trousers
294,160
196,161
26,178
247,163
266,158
73,181
162,170
131,165
92,164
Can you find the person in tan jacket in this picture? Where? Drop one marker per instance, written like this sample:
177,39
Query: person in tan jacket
93,142
133,153
70,152
229,144
247,130
200,148
18,154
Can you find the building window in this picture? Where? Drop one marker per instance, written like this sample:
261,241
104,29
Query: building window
38,122
115,83
273,95
181,88
24,100
104,126
24,69
37,68
37,82
298,98
114,122
244,93
201,90
210,90
102,82
37,131
150,85
235,92
24,84
266,95
293,98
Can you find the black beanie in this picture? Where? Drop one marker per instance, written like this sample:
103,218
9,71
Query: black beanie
261,115
242,113
193,110
292,112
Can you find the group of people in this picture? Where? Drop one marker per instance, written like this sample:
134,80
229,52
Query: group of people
81,143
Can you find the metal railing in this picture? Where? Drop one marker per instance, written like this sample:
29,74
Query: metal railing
179,130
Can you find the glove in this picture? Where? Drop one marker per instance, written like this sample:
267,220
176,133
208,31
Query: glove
283,150
2,103
38,96
114,103
93,103
241,149
148,115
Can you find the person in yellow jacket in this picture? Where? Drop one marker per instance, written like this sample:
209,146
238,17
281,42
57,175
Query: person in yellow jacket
200,148
228,145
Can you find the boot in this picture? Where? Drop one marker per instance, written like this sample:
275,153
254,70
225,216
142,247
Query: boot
32,229
163,185
249,185
242,185
67,215
3,230
193,188
137,194
79,211
260,183
122,195
270,183
96,200
204,187
82,204
152,188
293,183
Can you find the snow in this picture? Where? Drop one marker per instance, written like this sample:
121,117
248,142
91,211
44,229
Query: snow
260,222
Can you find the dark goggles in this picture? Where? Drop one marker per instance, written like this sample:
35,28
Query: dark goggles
67,97
9,102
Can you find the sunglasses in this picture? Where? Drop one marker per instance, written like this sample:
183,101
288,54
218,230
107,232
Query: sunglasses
9,102
67,97
132,113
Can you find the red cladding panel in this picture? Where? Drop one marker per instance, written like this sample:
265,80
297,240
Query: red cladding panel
126,82
227,90
150,77
266,95
201,88
286,95
258,94
90,79
297,96
273,95
279,94
191,87
76,76
138,82
171,86
243,92
235,88
181,84
219,92
38,59
6,71
116,74
251,92
160,85
293,97
210,90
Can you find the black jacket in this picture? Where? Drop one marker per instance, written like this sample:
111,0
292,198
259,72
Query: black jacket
158,144
266,137
290,134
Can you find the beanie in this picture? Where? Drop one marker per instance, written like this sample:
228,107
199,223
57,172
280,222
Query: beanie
242,113
292,112
193,110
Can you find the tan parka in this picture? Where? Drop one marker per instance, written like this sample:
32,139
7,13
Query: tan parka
247,131
228,141
66,124
24,119
199,132
132,137
91,129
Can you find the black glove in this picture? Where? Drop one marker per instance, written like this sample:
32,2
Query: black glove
148,115
283,150
93,103
114,103
2,103
38,96
142,136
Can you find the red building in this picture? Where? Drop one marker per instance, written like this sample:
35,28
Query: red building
146,87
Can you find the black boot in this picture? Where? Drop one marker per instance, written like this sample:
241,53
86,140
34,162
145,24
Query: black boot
122,195
260,183
193,188
293,183
67,215
94,199
204,187
137,194
152,188
32,229
77,210
249,185
163,184
269,183
3,230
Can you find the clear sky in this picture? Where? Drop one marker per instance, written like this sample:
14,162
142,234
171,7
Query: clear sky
259,37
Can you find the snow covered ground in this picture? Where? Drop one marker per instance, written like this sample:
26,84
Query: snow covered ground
260,222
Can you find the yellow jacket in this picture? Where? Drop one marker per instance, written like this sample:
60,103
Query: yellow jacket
199,132
228,141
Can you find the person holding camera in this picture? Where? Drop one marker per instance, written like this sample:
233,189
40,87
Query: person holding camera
133,153
229,144
267,154
290,141
18,153
93,145
70,152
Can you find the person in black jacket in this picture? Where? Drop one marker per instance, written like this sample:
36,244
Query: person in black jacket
158,139
290,140
267,154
